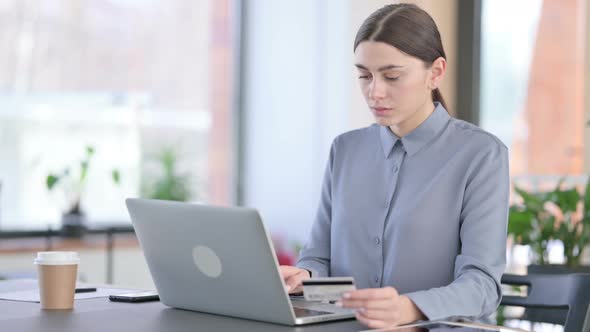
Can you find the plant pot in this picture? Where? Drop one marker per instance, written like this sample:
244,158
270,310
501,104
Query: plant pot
73,224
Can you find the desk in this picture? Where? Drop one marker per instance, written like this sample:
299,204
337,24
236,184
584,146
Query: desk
100,314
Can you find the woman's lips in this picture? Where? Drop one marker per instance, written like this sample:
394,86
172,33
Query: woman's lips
381,110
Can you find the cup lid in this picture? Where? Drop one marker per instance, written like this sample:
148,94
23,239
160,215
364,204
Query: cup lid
57,258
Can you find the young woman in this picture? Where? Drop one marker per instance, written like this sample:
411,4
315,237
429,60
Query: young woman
414,207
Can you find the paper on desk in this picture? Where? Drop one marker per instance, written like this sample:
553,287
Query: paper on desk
33,294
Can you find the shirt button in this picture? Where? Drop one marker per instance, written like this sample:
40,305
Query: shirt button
377,240
376,279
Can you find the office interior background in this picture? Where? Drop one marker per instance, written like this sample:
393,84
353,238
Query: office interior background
237,102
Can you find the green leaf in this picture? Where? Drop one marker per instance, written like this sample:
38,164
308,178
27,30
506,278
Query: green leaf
562,232
587,203
585,237
116,176
170,186
83,170
566,200
548,230
51,181
520,223
533,202
89,150
85,164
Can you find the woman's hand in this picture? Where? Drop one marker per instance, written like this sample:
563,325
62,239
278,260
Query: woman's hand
381,307
293,276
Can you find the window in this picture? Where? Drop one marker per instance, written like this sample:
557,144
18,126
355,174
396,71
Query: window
533,81
131,79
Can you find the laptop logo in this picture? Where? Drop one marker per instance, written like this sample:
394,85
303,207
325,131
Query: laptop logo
207,261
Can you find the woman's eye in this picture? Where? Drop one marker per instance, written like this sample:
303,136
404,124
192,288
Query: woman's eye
392,78
364,77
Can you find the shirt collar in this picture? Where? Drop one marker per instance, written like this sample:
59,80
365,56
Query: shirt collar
417,138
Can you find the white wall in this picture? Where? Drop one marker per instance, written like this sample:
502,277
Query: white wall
296,85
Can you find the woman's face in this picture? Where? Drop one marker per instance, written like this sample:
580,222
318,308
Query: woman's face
396,86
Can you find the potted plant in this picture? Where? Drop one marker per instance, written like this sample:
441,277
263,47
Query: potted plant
558,214
73,184
169,185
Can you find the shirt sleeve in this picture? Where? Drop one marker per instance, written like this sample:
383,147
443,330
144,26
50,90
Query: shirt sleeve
315,255
475,292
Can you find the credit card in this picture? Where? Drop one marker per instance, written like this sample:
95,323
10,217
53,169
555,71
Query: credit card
327,289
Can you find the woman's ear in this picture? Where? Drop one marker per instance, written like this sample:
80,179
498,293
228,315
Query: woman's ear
437,72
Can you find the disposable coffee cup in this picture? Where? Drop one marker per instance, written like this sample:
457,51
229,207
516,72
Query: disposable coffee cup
57,278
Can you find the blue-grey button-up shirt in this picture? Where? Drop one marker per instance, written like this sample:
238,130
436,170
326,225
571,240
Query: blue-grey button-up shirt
426,214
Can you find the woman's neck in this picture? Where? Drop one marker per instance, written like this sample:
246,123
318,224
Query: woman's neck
407,126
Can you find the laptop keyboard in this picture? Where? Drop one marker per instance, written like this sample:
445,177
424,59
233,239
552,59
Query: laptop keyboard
308,308
302,312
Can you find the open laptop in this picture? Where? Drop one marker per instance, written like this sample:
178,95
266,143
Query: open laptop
219,260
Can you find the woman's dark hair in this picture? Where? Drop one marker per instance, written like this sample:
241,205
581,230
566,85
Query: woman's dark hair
408,28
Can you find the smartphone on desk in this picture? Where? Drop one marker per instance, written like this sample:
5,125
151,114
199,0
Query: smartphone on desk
135,297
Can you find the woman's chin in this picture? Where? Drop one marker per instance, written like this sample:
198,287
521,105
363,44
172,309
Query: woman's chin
385,121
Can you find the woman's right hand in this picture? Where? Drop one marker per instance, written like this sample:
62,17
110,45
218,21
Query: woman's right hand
293,276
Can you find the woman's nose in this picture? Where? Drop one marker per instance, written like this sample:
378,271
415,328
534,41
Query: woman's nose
376,90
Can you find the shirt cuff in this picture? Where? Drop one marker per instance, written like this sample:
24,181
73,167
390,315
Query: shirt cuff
424,302
317,269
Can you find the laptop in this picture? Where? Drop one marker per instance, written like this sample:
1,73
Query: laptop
219,260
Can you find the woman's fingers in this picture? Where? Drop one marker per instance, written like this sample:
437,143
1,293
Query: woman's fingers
367,304
376,308
371,323
372,294
288,271
293,278
389,315
370,298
